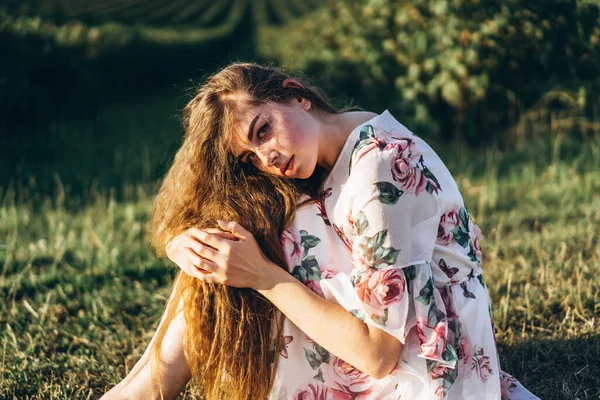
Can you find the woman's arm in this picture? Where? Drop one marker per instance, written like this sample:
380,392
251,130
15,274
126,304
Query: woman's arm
241,263
364,346
141,384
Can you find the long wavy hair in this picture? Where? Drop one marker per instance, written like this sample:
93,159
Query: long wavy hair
232,335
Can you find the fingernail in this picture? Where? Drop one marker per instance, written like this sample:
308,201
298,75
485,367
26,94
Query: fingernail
221,222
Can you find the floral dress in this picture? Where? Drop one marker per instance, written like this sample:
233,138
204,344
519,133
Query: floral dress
390,240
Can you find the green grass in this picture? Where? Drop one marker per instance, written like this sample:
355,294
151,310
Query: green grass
81,291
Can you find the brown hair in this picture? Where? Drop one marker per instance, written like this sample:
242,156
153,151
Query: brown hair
230,332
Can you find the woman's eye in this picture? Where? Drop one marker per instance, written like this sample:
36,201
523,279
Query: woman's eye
262,131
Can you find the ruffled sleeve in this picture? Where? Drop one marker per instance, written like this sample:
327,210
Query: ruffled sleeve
391,220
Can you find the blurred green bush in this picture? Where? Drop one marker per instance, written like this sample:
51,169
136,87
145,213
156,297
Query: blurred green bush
463,69
71,68
41,59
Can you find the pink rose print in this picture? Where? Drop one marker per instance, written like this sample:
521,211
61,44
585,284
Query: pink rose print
315,286
326,273
410,177
347,382
476,236
432,346
448,222
477,247
465,351
379,289
481,364
507,385
465,356
313,391
290,240
437,372
404,167
439,392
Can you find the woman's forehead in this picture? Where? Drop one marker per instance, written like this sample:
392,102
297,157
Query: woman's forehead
243,120
246,117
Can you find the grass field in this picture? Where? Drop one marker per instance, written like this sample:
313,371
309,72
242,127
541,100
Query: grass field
81,290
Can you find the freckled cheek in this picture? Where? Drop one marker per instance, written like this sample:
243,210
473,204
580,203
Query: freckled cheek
294,141
298,142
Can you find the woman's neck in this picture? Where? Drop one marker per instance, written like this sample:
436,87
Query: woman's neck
335,131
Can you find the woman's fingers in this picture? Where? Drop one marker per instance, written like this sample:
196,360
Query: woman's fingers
234,228
204,250
193,242
218,240
200,262
220,233
204,270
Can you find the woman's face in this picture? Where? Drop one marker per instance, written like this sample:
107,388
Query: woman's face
279,139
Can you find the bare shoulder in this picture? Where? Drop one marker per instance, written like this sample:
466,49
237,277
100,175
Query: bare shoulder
360,117
356,118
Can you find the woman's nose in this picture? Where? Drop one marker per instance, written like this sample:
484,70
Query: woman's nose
269,157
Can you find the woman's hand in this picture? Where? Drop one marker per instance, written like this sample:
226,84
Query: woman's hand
230,256
179,250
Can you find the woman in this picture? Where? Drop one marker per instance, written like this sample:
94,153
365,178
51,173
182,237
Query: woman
383,296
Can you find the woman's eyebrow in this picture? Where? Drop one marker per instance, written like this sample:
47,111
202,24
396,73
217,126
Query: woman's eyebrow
251,128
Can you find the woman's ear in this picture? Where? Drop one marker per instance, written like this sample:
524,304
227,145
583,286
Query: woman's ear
291,83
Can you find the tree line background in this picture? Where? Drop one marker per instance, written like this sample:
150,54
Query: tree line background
109,77
506,91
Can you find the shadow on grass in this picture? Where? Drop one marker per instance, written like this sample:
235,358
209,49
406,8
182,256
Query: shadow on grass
556,369
77,279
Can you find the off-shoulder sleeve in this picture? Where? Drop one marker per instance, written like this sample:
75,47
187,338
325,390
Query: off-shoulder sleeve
392,216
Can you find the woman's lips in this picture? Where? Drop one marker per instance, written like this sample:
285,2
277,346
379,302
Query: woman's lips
288,167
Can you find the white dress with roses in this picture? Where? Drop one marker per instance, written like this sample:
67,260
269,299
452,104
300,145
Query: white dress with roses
390,240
